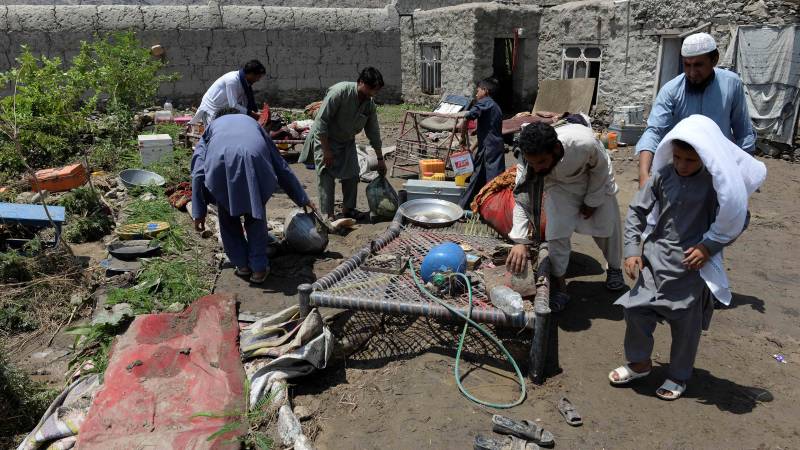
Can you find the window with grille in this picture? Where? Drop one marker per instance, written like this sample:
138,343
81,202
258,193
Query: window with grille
431,68
582,62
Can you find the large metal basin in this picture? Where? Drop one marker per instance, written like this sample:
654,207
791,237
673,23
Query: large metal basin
139,178
431,212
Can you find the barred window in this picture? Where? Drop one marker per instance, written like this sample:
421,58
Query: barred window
579,61
431,68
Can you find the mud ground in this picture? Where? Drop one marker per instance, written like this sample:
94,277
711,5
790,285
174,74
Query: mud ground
392,387
397,390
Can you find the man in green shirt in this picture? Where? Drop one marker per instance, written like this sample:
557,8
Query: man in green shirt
347,109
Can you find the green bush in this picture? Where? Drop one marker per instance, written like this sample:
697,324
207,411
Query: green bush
123,71
56,108
14,268
88,229
89,219
49,109
172,129
175,169
112,156
15,319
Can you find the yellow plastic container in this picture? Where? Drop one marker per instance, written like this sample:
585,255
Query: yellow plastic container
431,165
612,140
433,176
461,180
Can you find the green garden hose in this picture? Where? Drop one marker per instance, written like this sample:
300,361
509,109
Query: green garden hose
485,332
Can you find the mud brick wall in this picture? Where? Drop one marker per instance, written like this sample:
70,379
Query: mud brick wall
466,34
293,3
631,80
305,49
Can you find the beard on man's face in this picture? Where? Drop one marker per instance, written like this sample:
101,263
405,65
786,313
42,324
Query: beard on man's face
699,85
546,171
696,87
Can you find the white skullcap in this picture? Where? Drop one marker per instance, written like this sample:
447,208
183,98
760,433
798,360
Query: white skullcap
698,44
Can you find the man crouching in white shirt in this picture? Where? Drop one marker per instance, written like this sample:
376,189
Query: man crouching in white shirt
232,90
574,170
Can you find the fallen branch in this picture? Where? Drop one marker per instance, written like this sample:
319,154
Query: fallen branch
49,342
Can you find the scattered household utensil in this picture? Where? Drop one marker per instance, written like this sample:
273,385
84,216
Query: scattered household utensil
133,249
431,212
140,178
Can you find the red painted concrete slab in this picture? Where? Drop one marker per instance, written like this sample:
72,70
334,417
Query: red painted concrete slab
164,370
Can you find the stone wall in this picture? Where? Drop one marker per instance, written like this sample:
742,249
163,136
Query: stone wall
454,29
305,49
631,80
284,3
497,21
466,34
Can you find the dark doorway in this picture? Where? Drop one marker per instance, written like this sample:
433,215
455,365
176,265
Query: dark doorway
594,72
502,71
671,64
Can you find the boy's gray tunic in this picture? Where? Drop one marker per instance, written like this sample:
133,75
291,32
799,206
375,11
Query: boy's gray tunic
688,208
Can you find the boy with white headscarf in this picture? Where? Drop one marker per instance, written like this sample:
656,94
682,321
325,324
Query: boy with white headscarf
694,205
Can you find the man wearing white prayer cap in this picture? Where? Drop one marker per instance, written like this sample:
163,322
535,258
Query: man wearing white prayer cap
702,89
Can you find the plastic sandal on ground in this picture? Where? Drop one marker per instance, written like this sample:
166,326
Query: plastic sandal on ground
523,429
569,412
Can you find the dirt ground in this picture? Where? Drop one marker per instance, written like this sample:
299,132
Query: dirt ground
397,390
392,385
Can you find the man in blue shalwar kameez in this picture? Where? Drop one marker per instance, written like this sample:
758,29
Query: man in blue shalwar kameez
702,89
237,167
490,156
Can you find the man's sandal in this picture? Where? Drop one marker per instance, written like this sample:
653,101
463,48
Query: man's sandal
359,216
625,375
523,429
509,443
559,301
570,413
614,280
244,273
670,390
258,280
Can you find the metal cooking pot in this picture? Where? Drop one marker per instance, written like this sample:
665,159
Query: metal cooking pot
431,212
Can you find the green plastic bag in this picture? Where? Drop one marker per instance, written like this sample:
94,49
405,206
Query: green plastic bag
382,198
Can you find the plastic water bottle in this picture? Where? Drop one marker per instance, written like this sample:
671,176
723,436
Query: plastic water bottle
506,299
168,106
